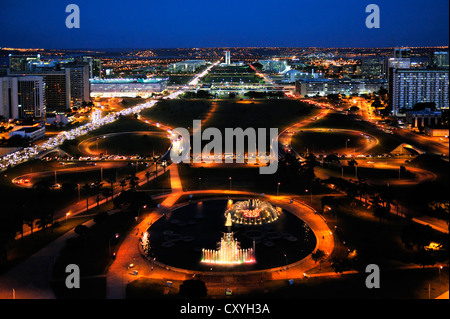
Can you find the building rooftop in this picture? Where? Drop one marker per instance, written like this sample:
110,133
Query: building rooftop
124,81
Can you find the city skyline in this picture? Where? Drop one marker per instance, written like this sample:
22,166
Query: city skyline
219,151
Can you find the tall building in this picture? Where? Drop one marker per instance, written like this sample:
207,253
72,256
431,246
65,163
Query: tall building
372,67
22,97
79,83
188,66
440,59
402,53
323,87
227,57
411,86
127,87
66,83
21,63
57,89
400,60
95,66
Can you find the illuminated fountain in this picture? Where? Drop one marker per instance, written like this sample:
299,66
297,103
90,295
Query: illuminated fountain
228,251
253,212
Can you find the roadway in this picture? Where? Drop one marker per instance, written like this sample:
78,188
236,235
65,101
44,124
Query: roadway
128,253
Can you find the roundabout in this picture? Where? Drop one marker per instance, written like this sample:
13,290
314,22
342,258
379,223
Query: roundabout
143,143
269,241
332,141
288,235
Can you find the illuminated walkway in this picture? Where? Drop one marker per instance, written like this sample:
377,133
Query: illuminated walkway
119,274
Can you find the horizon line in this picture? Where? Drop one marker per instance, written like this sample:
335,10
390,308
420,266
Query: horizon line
7,48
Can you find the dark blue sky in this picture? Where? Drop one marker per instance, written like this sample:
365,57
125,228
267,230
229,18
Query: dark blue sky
222,23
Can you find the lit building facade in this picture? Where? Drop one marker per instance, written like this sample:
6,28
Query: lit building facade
22,97
274,66
440,59
127,87
324,87
372,68
411,86
188,66
227,57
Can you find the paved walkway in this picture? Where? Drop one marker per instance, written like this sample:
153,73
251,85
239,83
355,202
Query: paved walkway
31,278
119,273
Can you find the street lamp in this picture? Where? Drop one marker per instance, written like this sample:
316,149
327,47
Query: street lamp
310,193
67,214
285,258
109,242
348,140
278,188
230,181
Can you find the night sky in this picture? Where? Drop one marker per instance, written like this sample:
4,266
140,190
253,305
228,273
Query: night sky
224,23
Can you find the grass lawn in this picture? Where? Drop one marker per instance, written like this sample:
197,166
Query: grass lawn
92,252
179,79
387,142
243,177
240,78
132,144
23,248
326,142
123,124
394,284
148,288
178,113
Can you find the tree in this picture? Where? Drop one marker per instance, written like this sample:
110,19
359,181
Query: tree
318,256
87,191
111,181
96,187
193,288
339,265
133,201
352,162
416,235
45,216
133,181
29,219
332,159
377,103
147,176
81,230
424,258
381,212
327,201
382,91
122,184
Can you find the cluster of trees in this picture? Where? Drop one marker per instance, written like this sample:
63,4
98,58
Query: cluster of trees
295,174
15,141
414,236
255,94
200,94
25,212
379,197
